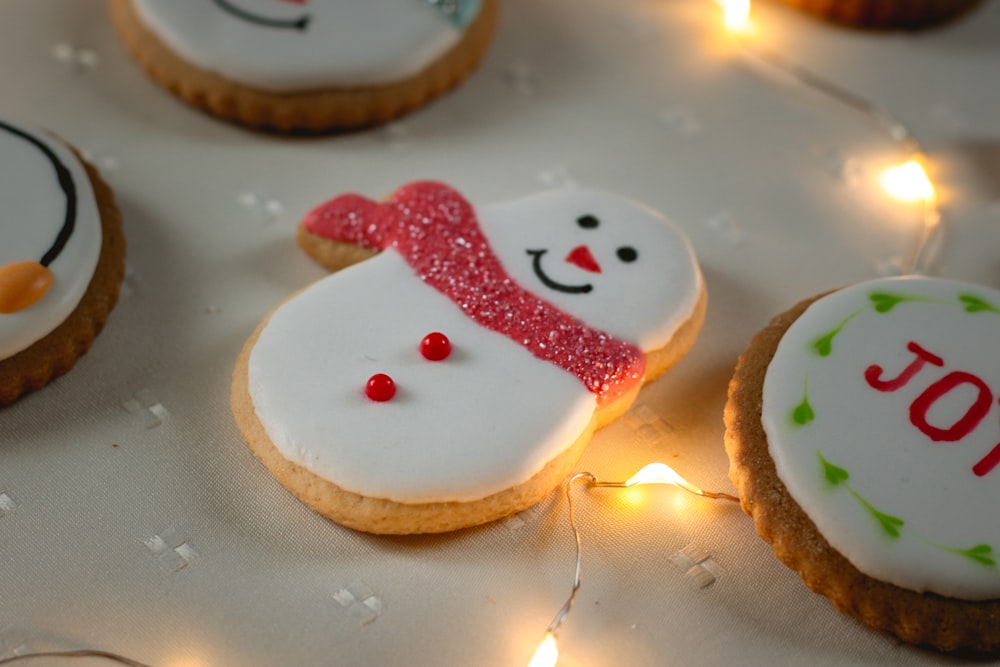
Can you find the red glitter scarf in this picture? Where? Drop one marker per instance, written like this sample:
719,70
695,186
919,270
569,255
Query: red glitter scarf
436,231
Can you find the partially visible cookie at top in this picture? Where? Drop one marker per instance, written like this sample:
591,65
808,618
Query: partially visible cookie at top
307,66
886,14
62,258
862,428
454,368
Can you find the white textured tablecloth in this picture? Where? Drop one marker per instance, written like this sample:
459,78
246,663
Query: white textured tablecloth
134,520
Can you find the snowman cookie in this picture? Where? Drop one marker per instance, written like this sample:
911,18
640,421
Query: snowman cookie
62,257
862,430
454,372
306,65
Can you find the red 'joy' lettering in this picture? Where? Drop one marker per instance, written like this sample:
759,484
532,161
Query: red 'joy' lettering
873,374
967,422
988,462
923,403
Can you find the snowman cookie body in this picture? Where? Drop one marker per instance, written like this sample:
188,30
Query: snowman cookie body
550,305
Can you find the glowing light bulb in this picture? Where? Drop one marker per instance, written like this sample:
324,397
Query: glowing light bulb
736,14
908,182
547,652
661,473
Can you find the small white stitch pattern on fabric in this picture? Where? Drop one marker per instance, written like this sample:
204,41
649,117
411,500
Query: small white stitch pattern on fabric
396,135
12,642
264,205
172,551
7,504
646,424
556,177
360,601
144,404
696,563
519,75
79,58
129,282
520,520
727,227
107,162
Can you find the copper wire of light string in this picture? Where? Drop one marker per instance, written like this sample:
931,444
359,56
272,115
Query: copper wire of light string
714,495
920,257
560,616
113,657
594,482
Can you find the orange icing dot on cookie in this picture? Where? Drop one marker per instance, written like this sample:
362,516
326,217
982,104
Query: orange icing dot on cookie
22,284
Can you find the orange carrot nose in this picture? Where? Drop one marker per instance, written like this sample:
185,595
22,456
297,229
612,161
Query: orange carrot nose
22,284
581,256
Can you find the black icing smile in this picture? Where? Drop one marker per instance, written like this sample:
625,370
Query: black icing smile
536,265
300,23
66,184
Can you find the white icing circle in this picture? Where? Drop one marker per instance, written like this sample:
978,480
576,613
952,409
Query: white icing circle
345,43
912,509
492,414
34,210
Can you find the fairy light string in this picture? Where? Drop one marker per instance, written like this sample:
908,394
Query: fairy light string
72,655
547,652
907,182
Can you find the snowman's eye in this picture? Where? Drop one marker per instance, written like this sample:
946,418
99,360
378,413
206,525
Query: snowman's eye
588,221
627,253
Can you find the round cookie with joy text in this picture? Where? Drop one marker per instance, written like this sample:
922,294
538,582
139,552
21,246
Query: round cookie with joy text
306,65
62,257
863,430
454,372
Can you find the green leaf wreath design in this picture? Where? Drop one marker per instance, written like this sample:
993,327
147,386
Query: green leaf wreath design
981,553
975,304
893,525
885,302
803,413
824,344
836,476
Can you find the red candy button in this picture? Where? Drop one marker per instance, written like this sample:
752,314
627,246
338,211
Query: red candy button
380,387
435,346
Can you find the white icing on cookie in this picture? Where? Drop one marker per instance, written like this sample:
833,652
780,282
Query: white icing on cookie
34,212
285,46
492,413
889,441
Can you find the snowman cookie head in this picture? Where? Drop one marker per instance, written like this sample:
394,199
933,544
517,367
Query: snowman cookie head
612,263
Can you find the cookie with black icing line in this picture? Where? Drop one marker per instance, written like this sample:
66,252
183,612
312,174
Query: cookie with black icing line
306,66
62,258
